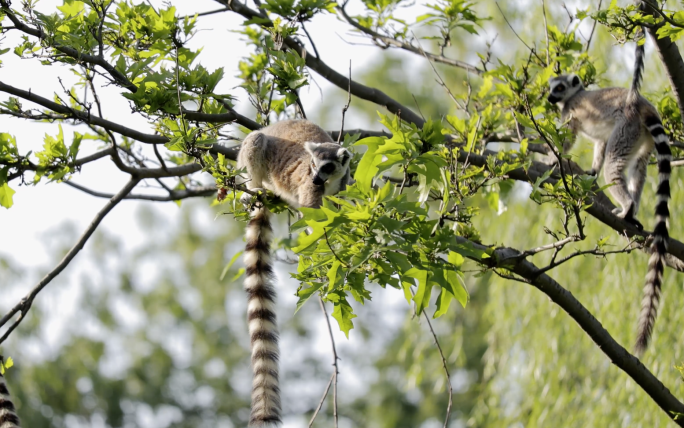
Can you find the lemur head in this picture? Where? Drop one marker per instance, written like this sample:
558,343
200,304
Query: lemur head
328,161
563,87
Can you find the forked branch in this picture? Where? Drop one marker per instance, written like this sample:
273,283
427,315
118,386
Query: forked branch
24,305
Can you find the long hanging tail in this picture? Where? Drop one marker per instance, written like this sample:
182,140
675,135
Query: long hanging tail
654,277
262,321
633,94
8,415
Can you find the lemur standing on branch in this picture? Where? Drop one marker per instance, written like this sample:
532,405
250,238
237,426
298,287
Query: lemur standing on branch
625,129
300,163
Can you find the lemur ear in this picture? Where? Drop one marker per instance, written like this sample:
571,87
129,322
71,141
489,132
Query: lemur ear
343,156
310,147
576,80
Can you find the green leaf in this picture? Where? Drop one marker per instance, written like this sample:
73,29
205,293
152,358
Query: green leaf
368,165
230,263
4,365
6,194
238,275
422,297
467,249
455,259
455,286
443,303
333,276
493,200
305,294
319,229
344,314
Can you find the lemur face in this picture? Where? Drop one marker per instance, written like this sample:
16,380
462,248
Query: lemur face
563,87
328,161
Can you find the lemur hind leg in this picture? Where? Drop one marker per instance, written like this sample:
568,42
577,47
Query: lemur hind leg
637,180
599,156
620,151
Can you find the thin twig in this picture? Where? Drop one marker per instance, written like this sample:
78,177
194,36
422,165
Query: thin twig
591,35
346,107
575,208
313,45
337,369
595,252
320,403
444,363
210,12
174,195
325,232
178,92
546,30
25,304
516,34
159,158
446,370
439,78
558,244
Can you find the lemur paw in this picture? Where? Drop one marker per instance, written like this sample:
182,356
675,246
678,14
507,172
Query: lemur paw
629,217
246,198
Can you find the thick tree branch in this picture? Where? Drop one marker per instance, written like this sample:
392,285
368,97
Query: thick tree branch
25,304
85,117
339,80
601,207
601,204
510,259
69,51
671,57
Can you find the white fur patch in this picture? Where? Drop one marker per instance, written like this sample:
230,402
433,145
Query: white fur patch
255,281
258,304
263,345
311,146
262,325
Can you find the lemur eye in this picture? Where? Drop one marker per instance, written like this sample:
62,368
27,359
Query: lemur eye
560,88
327,168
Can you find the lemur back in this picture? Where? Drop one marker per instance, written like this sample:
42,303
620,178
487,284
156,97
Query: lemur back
300,163
8,415
625,129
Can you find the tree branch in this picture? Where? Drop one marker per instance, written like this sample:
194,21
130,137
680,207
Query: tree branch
69,51
509,259
670,56
335,358
85,117
339,80
600,203
391,42
25,304
174,195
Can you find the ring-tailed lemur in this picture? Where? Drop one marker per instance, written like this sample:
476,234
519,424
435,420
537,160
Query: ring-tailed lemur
8,415
300,163
625,129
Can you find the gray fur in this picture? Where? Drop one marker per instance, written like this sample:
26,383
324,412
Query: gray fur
625,129
300,163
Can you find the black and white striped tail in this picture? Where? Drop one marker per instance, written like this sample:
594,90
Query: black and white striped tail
633,94
262,321
654,277
8,416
